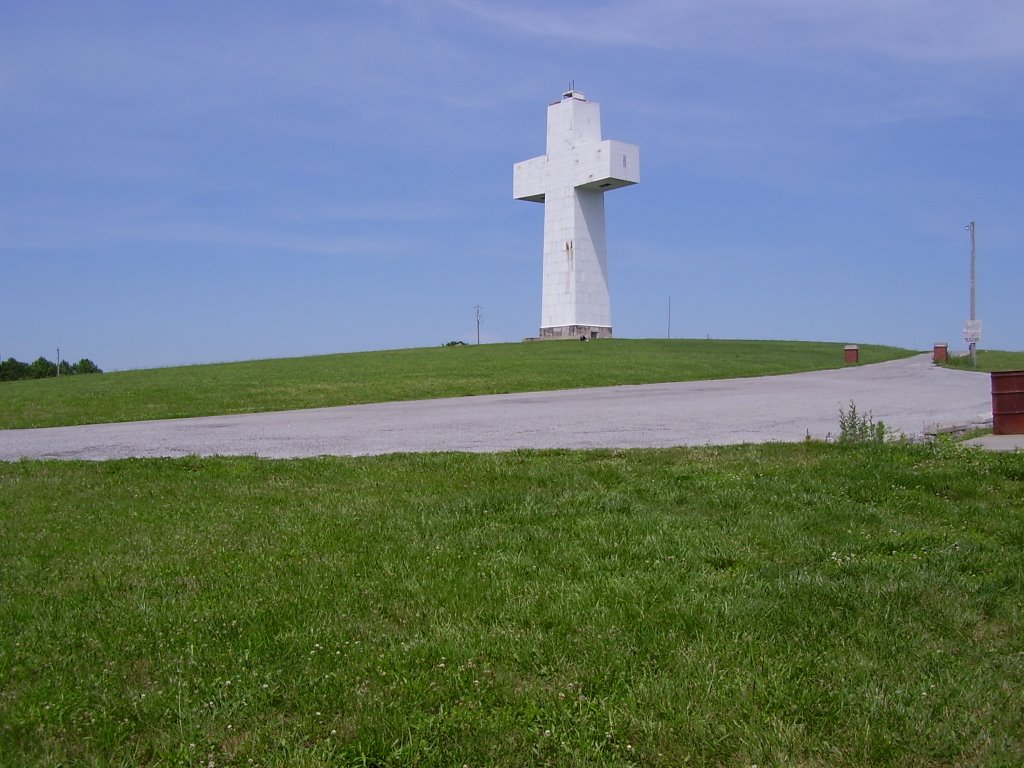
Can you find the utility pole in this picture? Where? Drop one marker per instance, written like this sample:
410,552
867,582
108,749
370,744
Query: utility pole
479,318
669,318
58,362
975,332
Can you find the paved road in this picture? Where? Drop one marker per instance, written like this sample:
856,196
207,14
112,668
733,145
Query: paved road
911,396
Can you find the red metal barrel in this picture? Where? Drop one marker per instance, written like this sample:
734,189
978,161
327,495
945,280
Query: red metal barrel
1008,402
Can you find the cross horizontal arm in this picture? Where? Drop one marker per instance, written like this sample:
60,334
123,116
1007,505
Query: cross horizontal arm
606,165
529,178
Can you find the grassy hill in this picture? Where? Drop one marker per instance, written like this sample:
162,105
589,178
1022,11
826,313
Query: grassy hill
805,604
990,360
407,374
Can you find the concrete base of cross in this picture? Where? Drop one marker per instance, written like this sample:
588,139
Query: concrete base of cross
576,332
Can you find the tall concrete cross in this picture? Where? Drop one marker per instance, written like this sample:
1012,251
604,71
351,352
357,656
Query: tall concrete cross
571,180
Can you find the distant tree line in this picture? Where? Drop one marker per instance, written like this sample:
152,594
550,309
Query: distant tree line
15,370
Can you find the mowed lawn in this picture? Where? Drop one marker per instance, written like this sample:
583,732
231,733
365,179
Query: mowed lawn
807,605
990,360
407,374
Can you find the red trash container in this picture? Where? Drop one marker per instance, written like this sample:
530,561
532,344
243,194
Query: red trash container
1008,402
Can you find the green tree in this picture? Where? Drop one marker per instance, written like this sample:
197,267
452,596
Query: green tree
85,365
13,370
42,368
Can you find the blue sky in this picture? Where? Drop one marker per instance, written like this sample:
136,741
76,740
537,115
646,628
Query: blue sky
197,182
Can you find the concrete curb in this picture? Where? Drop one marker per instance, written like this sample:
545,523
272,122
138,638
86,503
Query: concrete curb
1005,443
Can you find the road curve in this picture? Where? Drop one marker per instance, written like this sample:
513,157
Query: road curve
911,396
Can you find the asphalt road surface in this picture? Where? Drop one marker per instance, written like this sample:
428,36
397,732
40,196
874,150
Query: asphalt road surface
911,396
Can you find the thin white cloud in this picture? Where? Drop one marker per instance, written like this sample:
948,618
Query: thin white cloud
926,30
225,236
108,235
376,211
923,30
168,62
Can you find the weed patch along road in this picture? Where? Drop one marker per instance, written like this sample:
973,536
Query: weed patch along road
909,396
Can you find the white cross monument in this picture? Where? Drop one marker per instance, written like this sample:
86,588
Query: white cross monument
571,180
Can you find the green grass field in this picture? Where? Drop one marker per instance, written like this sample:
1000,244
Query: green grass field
408,374
805,605
991,360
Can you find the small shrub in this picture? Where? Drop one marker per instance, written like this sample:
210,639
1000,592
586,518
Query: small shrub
855,427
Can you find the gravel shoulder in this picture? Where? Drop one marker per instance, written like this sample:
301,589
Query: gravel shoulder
911,396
